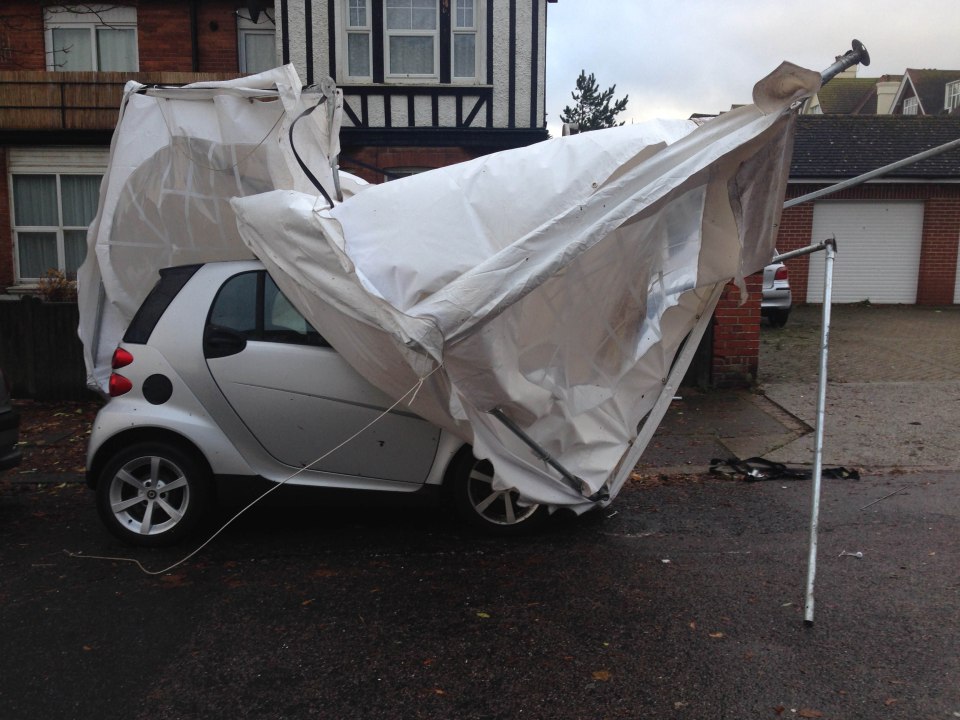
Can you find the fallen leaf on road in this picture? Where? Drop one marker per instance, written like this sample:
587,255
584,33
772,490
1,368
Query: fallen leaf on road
890,701
717,635
602,675
483,615
808,713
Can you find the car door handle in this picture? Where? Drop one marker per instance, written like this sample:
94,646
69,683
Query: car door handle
221,342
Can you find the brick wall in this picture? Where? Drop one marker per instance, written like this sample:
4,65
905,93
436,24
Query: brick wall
388,158
938,250
736,336
165,43
21,35
163,35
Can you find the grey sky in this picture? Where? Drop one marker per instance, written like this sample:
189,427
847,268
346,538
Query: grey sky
678,57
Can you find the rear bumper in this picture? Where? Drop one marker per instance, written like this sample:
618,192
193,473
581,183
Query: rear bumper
776,299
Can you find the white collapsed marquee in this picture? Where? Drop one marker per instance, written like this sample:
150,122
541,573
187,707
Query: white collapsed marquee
536,296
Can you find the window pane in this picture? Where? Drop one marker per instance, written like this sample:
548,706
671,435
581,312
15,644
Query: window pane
424,18
358,54
464,55
464,14
236,305
74,251
80,195
259,52
411,15
358,13
411,55
72,49
35,200
38,253
116,49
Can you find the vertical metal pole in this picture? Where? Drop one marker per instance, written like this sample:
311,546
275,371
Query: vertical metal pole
831,248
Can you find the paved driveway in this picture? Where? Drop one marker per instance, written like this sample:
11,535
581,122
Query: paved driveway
893,401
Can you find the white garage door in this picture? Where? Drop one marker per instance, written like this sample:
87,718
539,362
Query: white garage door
878,251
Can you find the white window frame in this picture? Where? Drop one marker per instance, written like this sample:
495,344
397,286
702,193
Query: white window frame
911,105
59,162
345,29
403,32
245,26
365,29
951,95
457,29
92,18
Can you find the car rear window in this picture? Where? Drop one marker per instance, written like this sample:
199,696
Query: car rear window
170,283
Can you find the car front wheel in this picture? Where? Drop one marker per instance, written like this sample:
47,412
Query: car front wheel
495,512
153,494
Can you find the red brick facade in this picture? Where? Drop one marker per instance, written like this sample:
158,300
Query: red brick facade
163,36
736,336
399,158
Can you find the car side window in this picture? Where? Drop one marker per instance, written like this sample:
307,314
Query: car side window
282,322
235,307
252,305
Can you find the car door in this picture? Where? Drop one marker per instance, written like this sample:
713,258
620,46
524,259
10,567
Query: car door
299,397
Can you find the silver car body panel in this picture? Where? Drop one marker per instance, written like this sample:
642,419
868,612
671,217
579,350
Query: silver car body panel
273,407
776,294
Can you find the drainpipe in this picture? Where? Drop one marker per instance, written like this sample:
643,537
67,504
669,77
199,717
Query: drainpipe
194,40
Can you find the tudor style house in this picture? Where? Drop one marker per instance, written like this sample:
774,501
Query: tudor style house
426,83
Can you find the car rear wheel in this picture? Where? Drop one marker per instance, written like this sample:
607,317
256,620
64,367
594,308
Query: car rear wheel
495,512
778,318
153,494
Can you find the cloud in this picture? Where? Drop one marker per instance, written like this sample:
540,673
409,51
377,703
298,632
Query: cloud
685,56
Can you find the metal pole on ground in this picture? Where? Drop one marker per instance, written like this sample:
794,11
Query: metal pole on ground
831,248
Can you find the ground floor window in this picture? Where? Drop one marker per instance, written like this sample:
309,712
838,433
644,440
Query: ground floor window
51,213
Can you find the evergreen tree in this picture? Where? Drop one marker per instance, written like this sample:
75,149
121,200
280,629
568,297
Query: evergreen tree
592,109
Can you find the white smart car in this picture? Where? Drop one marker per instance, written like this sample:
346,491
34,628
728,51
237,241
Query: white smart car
219,377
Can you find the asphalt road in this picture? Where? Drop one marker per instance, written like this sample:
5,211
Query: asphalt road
683,600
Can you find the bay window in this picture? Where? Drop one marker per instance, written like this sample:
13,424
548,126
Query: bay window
51,213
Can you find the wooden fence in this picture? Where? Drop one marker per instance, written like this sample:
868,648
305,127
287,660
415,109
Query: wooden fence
40,352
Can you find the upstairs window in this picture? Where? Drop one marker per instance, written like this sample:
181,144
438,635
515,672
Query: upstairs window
411,40
911,106
91,37
411,29
358,38
256,42
952,96
465,40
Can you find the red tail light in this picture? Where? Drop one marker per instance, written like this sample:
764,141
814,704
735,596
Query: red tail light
121,358
119,385
782,274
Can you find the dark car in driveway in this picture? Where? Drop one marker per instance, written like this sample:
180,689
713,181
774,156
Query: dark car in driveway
9,428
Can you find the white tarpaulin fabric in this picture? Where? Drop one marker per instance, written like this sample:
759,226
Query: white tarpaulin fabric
553,284
177,158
